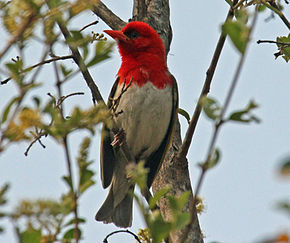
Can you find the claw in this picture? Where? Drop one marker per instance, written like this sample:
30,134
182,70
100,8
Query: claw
118,138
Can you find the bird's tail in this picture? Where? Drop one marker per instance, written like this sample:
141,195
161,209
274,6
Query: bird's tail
117,207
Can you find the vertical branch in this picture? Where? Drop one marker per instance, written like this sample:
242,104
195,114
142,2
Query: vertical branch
218,125
67,157
205,90
74,194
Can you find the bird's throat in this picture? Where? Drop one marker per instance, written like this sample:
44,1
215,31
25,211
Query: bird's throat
144,68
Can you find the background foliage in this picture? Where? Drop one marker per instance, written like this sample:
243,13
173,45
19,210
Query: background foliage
30,118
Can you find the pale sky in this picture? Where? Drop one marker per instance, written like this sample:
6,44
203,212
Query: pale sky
240,194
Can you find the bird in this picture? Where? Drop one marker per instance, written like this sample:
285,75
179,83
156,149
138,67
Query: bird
147,103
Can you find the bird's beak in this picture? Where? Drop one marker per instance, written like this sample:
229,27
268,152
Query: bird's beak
117,35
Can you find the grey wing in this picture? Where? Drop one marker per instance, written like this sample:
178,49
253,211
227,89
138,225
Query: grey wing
155,160
107,154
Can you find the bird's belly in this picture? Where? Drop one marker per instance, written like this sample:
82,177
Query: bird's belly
144,113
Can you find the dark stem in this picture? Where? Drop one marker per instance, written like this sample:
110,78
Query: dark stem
40,64
108,16
273,42
75,197
205,90
218,126
121,231
60,107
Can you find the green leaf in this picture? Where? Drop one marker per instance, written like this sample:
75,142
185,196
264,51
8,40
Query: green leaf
210,107
284,206
284,49
182,220
241,15
157,196
36,101
7,109
159,229
86,175
30,236
68,181
72,221
214,159
102,51
184,114
238,33
183,199
65,71
69,234
261,8
229,2
245,115
285,167
3,190
86,185
176,204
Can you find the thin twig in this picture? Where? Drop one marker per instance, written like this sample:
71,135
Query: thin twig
116,101
74,194
88,25
238,4
272,5
37,137
111,19
40,64
218,125
59,105
63,98
121,231
274,42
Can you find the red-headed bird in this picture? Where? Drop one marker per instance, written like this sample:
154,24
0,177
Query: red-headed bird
146,111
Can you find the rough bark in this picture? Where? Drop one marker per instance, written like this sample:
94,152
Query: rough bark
174,171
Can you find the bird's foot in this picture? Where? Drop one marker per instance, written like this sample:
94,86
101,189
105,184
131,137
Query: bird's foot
119,138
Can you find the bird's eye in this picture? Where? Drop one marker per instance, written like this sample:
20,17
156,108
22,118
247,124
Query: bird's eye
132,34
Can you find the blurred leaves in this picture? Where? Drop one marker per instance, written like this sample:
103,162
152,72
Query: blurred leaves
213,160
284,206
237,30
283,43
245,115
3,201
85,174
284,169
157,228
210,107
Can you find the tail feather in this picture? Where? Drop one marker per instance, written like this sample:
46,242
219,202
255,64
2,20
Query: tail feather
120,214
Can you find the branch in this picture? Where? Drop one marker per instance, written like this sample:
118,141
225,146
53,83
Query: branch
5,81
219,123
205,90
273,6
274,42
121,231
88,25
108,16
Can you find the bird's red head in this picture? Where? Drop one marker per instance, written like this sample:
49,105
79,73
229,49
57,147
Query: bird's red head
137,37
143,54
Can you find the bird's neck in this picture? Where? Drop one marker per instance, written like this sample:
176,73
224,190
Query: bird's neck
144,67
